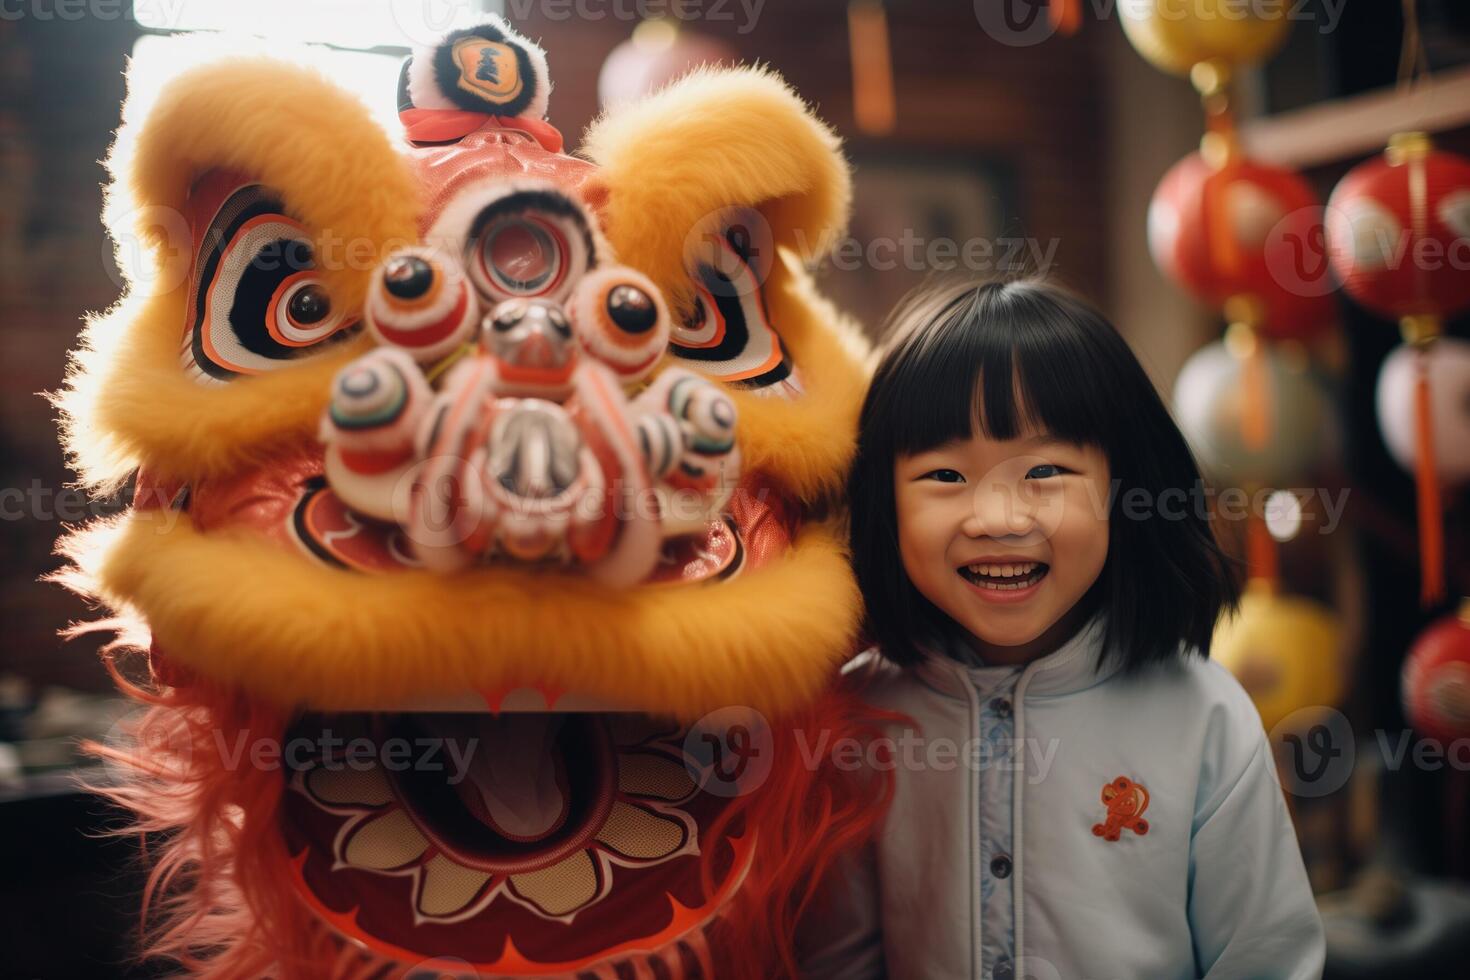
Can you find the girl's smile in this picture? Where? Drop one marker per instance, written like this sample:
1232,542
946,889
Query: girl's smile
1005,578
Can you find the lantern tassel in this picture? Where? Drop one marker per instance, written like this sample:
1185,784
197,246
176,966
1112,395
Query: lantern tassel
1065,15
1426,479
1256,419
873,102
1255,385
1261,556
1223,246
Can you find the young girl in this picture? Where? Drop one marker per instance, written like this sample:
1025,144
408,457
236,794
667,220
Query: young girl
1085,794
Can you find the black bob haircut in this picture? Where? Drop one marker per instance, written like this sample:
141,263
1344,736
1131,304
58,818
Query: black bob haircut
1000,357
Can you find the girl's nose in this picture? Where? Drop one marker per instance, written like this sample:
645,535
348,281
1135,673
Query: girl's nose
998,508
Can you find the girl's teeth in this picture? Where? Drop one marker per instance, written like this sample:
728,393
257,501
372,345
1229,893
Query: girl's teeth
1004,571
1004,578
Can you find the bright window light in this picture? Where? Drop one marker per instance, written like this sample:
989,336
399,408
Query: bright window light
372,76
342,23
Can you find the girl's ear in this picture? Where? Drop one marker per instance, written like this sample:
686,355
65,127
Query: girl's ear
249,206
687,167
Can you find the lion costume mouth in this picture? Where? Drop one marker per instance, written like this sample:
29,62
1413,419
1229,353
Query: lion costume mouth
607,831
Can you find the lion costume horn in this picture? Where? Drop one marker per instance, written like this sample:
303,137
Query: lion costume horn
458,441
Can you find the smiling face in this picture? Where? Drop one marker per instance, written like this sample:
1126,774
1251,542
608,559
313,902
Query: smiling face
1005,536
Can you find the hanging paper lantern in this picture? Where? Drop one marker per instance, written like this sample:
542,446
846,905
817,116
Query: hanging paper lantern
1436,678
1284,650
1176,36
1240,234
1213,404
1398,232
658,52
1448,362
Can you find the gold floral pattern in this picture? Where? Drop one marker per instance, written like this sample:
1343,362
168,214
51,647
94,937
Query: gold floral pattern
644,826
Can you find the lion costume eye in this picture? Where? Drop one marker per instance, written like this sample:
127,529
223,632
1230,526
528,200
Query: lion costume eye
529,245
729,333
257,303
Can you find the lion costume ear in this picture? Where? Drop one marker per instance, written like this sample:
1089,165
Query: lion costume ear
689,159
250,206
721,188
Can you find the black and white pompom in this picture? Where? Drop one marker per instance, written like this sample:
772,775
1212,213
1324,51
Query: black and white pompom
489,68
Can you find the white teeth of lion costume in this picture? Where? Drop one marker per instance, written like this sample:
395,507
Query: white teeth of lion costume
460,443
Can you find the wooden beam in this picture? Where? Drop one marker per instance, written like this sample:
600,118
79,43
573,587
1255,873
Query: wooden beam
1348,128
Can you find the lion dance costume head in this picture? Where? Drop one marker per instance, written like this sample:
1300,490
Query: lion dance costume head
469,476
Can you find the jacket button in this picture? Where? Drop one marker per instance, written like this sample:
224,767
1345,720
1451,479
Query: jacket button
1000,866
1001,706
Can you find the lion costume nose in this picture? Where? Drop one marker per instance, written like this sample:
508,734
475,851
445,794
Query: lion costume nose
529,334
530,432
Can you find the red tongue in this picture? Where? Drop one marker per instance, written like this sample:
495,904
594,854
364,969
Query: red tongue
515,782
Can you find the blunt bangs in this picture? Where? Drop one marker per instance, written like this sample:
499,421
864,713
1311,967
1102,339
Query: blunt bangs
1002,359
997,360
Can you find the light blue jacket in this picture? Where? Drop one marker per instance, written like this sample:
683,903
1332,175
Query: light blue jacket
991,856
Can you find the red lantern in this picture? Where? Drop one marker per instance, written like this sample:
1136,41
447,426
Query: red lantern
1245,235
1436,679
1398,232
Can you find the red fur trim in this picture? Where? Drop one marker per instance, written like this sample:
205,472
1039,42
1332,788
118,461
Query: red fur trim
806,815
218,902
215,901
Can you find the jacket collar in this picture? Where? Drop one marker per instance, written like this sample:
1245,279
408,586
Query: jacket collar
1072,667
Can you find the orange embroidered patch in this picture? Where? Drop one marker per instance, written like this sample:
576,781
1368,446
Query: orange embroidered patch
1126,801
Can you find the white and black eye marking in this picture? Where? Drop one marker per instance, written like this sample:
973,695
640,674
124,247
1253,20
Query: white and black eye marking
256,301
730,334
530,244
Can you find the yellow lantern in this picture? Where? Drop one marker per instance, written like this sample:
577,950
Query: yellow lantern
1203,39
1284,652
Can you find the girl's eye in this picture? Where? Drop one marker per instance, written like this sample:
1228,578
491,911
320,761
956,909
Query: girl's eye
1043,471
945,476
